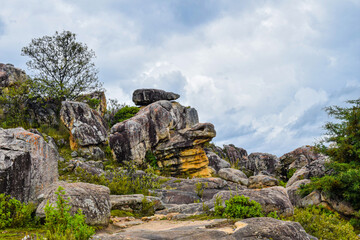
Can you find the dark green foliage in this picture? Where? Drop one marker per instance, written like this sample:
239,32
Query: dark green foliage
290,173
13,213
125,113
61,225
64,67
147,207
345,133
218,208
13,104
151,159
93,102
242,207
323,224
344,151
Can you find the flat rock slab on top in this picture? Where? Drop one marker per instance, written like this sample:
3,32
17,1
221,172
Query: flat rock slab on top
145,97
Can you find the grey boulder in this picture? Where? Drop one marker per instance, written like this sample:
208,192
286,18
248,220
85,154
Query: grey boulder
145,97
93,200
233,175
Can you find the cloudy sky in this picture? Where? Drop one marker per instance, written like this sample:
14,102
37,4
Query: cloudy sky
260,71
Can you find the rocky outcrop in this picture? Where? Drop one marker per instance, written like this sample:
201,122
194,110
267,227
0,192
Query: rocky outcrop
96,100
86,125
237,156
262,163
145,97
233,175
271,199
28,164
93,200
296,159
10,75
262,181
215,161
313,169
134,202
171,132
270,228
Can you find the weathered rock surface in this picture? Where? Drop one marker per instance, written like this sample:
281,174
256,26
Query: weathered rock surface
93,200
91,167
98,95
10,75
28,164
296,159
262,181
262,163
184,191
233,175
145,97
171,132
271,199
215,161
313,169
249,229
237,156
294,196
133,202
86,125
270,228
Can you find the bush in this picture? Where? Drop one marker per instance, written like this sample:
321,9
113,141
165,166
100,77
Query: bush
61,225
13,213
122,182
242,207
323,224
125,113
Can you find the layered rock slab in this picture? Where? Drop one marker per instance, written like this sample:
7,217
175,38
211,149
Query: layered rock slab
171,132
28,164
93,200
86,125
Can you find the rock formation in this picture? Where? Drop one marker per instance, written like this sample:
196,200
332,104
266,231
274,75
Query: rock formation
93,200
87,128
10,75
145,97
98,96
171,132
28,164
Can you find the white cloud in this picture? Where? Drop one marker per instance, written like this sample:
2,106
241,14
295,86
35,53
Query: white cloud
255,70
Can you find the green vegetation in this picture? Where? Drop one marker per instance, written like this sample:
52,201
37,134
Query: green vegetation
323,224
124,113
344,151
15,214
61,225
199,188
64,66
242,207
290,173
123,182
151,159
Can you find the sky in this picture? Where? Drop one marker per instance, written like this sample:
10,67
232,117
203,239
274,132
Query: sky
260,71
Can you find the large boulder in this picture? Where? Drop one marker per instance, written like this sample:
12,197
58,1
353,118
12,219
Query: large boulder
10,75
215,161
236,156
270,228
295,160
145,97
171,131
313,169
271,199
262,181
28,164
261,163
93,200
233,175
86,125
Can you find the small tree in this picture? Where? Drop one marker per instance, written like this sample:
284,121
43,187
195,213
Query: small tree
63,66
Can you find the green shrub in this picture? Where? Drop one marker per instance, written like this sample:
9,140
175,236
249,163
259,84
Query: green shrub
151,159
290,173
125,113
13,213
123,182
147,207
323,224
61,225
242,207
218,208
93,102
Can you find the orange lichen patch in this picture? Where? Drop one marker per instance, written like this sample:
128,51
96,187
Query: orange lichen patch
73,144
200,141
